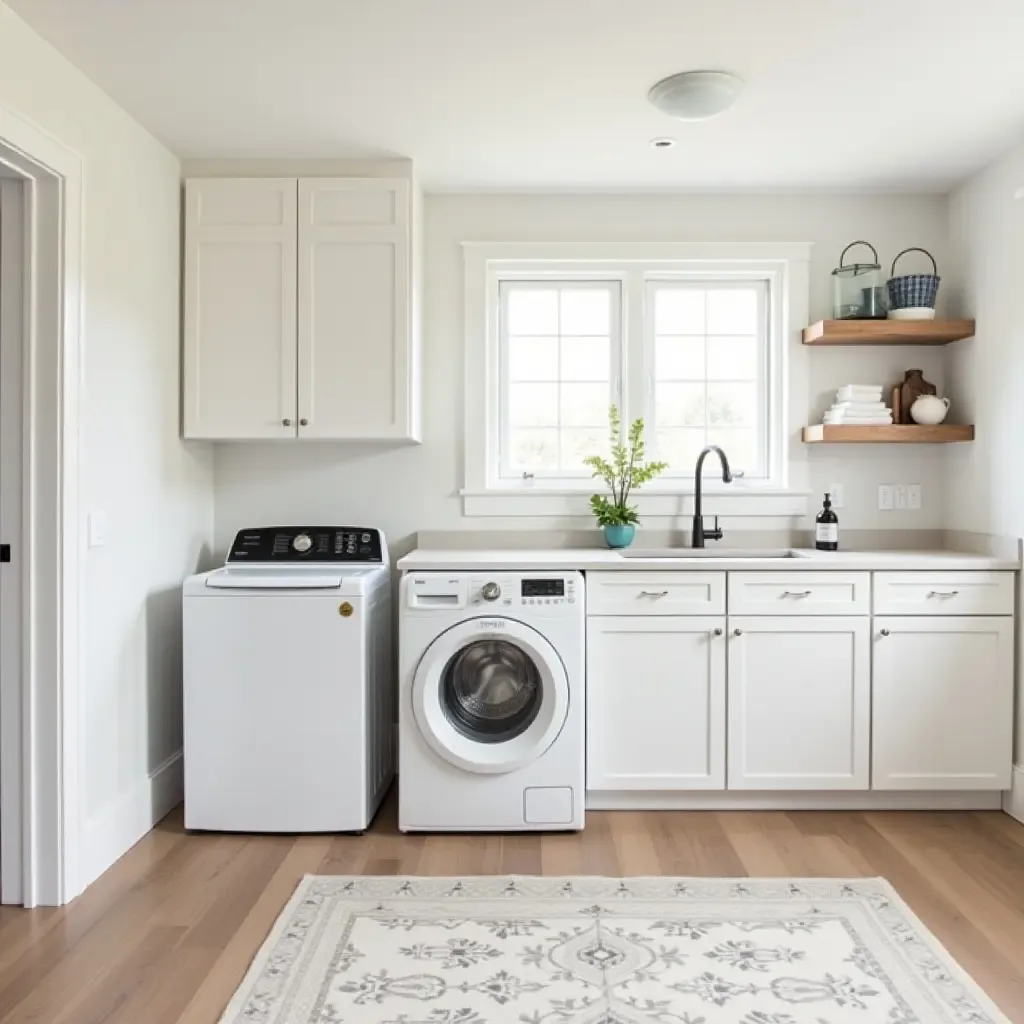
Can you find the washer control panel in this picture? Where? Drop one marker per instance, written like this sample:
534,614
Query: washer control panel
527,591
284,544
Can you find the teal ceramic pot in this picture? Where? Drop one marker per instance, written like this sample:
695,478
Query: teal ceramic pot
619,536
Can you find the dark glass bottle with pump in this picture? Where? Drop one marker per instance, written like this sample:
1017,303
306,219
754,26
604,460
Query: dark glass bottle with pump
826,528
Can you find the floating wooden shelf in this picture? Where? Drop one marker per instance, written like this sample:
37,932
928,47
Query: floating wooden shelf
893,433
887,332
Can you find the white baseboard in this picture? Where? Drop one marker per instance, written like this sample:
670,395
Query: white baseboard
1013,799
923,800
109,834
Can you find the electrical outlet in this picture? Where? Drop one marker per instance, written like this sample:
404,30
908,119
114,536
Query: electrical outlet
885,500
914,496
97,521
836,492
900,496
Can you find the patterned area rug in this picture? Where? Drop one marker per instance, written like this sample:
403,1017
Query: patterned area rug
603,951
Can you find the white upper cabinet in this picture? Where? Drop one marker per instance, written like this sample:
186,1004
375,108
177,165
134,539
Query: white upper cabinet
655,702
799,703
355,325
240,316
943,702
314,338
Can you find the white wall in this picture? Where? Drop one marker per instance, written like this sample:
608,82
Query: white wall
985,486
416,488
156,491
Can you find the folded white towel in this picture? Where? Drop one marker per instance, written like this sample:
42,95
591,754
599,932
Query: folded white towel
860,421
868,407
854,393
861,387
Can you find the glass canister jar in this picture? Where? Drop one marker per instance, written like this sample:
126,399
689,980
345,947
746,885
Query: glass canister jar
858,289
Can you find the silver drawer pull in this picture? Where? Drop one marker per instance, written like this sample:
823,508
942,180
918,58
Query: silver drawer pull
943,593
653,593
796,593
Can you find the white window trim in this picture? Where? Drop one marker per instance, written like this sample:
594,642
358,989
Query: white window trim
786,265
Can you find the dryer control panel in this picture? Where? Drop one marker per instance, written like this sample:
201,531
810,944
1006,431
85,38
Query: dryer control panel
293,544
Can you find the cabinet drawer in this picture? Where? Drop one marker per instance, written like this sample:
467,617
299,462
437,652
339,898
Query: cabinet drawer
656,593
799,593
943,593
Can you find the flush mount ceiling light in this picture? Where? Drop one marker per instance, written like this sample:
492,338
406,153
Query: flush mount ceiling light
662,143
696,95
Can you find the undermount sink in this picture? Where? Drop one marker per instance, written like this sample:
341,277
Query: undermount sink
738,554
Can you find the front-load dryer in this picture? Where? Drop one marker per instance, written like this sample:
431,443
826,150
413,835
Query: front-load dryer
491,701
288,683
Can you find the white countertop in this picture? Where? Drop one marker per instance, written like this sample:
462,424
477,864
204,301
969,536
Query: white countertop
601,559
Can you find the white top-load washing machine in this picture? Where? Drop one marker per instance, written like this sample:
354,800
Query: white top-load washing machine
288,684
491,701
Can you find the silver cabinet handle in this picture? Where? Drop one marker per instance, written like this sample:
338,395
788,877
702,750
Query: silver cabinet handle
653,593
883,632
303,422
717,631
286,422
796,593
943,593
737,632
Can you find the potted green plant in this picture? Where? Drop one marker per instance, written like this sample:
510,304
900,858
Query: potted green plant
623,473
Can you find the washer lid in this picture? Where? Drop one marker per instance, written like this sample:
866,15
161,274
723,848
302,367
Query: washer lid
356,581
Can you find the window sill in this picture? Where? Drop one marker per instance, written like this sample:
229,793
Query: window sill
750,500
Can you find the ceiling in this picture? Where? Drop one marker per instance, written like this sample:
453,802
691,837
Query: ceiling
551,94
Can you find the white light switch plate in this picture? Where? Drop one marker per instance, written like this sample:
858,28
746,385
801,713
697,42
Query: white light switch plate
900,496
97,529
913,496
885,500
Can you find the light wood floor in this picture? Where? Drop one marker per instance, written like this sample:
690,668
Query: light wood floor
166,935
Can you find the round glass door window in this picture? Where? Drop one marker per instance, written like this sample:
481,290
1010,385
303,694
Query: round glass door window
491,691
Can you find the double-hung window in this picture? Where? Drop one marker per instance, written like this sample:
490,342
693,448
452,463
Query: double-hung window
694,346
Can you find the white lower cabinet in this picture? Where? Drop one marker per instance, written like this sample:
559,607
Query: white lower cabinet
655,702
943,702
799,702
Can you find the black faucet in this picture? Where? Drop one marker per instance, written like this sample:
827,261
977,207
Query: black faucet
699,533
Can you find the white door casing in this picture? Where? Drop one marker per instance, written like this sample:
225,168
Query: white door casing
942,713
656,702
239,353
355,344
799,702
462,751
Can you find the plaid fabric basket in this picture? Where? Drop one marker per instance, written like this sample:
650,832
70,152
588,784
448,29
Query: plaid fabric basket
913,290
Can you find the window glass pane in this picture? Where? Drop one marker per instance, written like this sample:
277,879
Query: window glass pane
739,444
679,405
533,405
532,311
535,450
585,311
533,359
584,405
733,359
585,359
678,310
679,358
679,447
578,443
732,311
732,405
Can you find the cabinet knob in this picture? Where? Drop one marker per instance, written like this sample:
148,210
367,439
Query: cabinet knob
303,422
717,631
883,632
737,632
286,422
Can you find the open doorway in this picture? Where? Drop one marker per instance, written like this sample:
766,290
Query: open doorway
40,230
12,306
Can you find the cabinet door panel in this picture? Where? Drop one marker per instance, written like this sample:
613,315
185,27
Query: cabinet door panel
354,310
655,703
799,703
942,713
239,310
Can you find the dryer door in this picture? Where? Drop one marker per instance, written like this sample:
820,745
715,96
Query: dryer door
490,695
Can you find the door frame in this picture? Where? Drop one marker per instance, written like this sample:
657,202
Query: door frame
48,553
